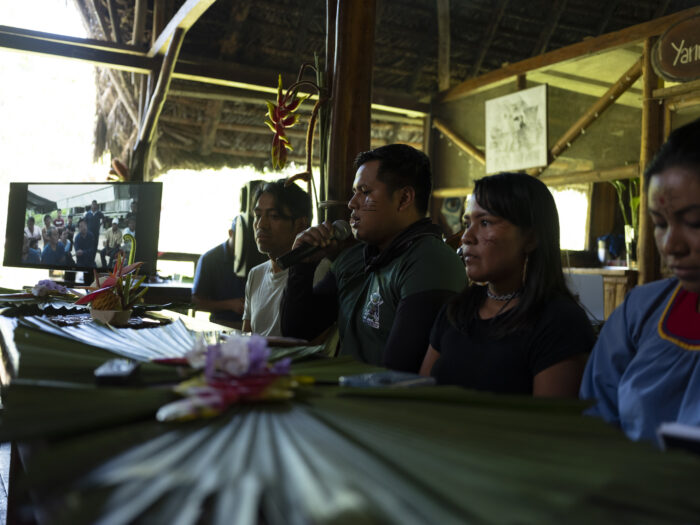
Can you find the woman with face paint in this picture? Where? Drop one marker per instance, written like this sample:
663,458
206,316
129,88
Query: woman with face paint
516,329
645,367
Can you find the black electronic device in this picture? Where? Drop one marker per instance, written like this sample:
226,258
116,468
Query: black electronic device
114,203
341,231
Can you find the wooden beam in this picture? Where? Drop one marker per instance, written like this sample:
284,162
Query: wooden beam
226,151
98,52
579,127
443,20
587,47
563,179
212,116
466,146
265,81
185,18
133,59
682,101
680,89
647,259
585,177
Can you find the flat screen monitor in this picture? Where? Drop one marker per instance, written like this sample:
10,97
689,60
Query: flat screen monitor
80,226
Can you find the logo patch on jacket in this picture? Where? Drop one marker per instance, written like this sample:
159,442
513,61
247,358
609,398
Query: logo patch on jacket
370,314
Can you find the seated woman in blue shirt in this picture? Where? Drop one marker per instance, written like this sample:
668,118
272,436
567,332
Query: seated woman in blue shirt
645,367
516,328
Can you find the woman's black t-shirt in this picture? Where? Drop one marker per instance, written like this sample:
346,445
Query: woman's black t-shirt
470,357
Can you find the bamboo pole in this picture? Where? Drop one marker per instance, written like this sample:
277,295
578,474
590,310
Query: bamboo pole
466,146
114,21
611,95
142,151
650,142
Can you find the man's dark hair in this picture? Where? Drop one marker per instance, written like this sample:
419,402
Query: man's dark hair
94,201
399,166
47,216
30,219
82,219
681,149
527,203
291,201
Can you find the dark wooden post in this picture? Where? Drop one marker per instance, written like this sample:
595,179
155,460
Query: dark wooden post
443,15
648,261
352,92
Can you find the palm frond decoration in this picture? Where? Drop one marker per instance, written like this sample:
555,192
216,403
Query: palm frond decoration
332,455
340,459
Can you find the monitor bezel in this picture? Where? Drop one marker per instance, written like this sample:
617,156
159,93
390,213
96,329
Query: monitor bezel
148,229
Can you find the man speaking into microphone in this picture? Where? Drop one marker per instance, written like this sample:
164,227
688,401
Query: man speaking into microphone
386,290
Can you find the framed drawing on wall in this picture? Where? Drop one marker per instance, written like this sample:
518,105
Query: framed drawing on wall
516,131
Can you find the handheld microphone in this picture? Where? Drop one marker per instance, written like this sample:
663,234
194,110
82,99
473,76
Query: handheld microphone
341,231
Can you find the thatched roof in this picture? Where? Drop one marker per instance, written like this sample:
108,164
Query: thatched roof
211,126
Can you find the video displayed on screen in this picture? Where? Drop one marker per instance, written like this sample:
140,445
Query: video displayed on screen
73,226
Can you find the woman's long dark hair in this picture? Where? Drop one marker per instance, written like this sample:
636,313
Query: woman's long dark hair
527,203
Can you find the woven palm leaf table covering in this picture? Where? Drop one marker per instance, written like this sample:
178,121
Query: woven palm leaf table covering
96,453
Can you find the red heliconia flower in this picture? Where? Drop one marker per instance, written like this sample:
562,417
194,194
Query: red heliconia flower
110,282
280,117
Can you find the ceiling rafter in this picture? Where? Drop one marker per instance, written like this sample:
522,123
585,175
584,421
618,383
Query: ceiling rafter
130,58
610,7
185,18
550,25
490,34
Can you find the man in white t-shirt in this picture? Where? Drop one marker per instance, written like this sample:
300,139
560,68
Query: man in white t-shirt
280,214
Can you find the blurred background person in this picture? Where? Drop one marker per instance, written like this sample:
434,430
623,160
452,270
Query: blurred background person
32,231
216,287
94,218
84,244
111,245
45,230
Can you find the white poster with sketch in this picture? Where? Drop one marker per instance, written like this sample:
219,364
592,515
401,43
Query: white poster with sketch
516,131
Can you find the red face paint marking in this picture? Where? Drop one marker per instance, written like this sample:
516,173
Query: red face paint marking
662,200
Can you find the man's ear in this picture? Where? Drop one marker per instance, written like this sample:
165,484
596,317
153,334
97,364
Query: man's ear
407,197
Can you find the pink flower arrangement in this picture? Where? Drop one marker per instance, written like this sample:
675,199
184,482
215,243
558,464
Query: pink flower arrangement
234,371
